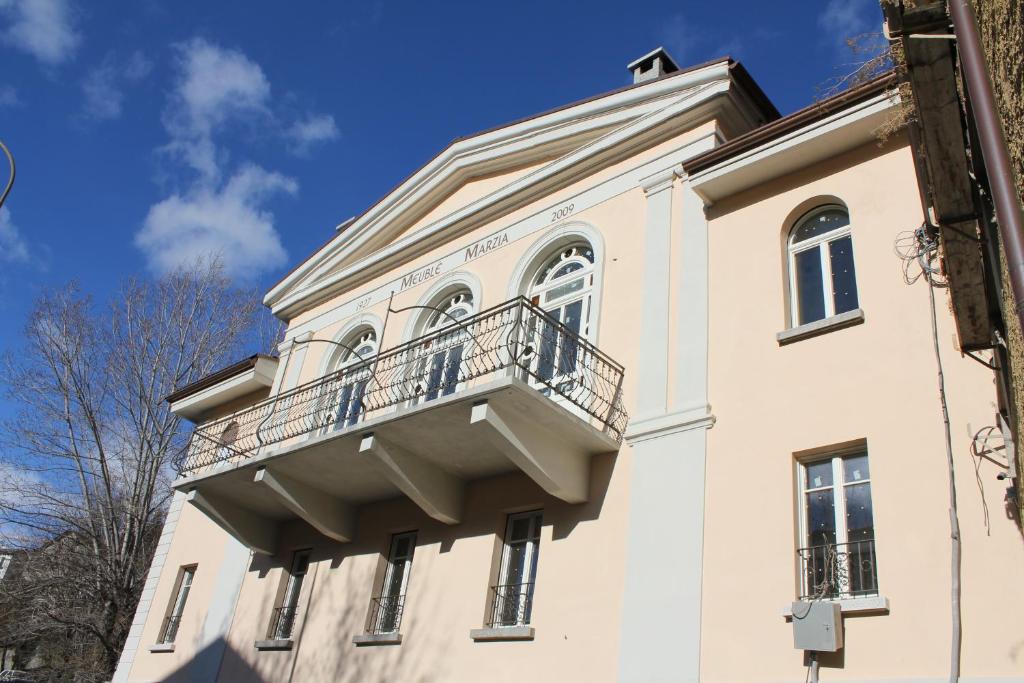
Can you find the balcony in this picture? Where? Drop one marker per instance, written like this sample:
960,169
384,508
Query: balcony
507,389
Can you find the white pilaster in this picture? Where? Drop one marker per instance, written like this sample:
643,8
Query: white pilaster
661,621
652,369
131,645
690,395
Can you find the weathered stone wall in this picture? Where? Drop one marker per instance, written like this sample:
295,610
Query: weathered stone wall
1001,23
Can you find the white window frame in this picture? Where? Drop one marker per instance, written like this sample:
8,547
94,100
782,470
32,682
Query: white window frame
838,488
293,592
820,242
389,572
536,293
186,577
421,368
364,338
532,549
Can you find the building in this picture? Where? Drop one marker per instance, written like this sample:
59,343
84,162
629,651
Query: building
965,173
619,392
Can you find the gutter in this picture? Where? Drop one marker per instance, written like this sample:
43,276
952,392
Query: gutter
993,147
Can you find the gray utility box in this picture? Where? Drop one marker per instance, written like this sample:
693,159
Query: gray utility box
817,626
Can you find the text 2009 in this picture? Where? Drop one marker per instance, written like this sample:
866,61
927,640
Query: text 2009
562,212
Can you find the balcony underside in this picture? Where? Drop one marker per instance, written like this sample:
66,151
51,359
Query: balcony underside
427,452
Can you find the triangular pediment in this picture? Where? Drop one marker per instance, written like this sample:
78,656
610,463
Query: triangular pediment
481,177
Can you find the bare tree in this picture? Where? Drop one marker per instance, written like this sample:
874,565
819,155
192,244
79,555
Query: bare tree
84,467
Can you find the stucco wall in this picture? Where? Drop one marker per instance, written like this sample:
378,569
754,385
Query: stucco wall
875,381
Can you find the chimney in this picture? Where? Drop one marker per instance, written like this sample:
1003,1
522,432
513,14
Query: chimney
654,64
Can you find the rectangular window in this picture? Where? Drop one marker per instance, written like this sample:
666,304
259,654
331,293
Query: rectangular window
283,621
173,620
512,599
837,528
5,562
386,610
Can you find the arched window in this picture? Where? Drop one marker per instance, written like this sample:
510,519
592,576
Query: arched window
352,373
439,369
563,288
823,282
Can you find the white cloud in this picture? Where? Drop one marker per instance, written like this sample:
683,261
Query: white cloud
103,86
843,19
229,221
691,43
42,28
223,210
215,85
9,96
13,248
314,129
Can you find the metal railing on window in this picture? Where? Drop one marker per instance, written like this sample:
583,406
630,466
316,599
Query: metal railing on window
282,623
516,337
838,570
169,630
385,614
511,605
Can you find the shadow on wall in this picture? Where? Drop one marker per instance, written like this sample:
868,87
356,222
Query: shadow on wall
323,648
206,663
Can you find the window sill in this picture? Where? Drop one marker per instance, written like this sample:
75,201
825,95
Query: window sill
876,604
836,322
274,644
162,647
364,639
502,633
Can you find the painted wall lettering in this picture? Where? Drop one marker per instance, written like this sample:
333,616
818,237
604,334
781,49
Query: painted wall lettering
422,275
562,212
484,246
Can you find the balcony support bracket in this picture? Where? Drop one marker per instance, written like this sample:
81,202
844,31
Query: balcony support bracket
252,530
328,515
437,492
558,469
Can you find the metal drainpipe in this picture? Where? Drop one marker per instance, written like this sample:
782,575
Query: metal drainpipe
993,147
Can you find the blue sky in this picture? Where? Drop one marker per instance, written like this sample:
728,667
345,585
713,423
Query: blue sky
147,132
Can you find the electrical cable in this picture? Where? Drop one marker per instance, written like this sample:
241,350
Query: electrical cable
922,247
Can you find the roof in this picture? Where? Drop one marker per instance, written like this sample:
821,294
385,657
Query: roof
791,122
737,71
215,377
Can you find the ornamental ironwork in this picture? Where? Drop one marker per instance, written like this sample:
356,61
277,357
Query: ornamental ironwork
838,570
516,338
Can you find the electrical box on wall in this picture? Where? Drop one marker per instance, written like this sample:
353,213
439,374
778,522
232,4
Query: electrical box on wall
817,626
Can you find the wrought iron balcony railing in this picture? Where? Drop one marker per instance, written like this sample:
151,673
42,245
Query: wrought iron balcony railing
282,623
385,614
514,338
169,631
838,570
511,605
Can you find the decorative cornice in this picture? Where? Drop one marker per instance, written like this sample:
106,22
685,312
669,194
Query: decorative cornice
670,423
662,180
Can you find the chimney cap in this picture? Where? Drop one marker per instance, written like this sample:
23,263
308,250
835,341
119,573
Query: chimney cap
655,63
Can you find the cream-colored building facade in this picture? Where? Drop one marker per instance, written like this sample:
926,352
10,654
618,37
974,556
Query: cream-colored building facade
598,396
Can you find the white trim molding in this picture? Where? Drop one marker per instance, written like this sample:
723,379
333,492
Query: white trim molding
449,282
844,130
670,423
580,137
545,246
370,320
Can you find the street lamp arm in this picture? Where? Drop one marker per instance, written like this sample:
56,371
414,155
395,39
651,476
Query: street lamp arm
10,180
